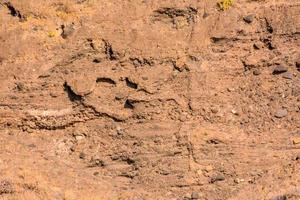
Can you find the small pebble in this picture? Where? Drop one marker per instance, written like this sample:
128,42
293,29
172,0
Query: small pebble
119,130
256,72
67,30
249,18
214,110
195,195
230,89
258,46
235,112
82,155
279,69
216,178
95,162
96,173
288,75
32,145
281,113
205,15
79,136
296,140
238,180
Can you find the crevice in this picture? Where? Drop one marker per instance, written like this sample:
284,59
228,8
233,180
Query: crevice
140,62
105,80
128,104
70,60
71,94
101,114
145,91
13,11
97,60
87,113
131,84
214,141
269,26
218,40
58,127
188,13
110,53
268,43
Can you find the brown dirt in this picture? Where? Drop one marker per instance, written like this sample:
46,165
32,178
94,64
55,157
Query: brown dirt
140,99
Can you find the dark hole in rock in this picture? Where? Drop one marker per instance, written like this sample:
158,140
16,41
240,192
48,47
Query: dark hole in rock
13,11
128,104
214,141
71,94
97,60
269,26
131,84
105,80
110,53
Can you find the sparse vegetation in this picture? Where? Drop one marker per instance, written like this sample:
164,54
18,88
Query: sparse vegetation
51,34
225,4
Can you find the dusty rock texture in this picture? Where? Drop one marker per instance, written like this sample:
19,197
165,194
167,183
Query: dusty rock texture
140,99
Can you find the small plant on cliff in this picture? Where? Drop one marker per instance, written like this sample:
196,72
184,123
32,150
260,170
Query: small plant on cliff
225,4
51,34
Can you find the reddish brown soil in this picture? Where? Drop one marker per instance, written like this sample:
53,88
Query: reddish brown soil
149,99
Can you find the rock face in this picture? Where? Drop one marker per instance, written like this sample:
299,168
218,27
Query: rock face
160,99
80,85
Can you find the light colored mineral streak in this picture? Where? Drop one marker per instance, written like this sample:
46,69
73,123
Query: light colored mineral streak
50,112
